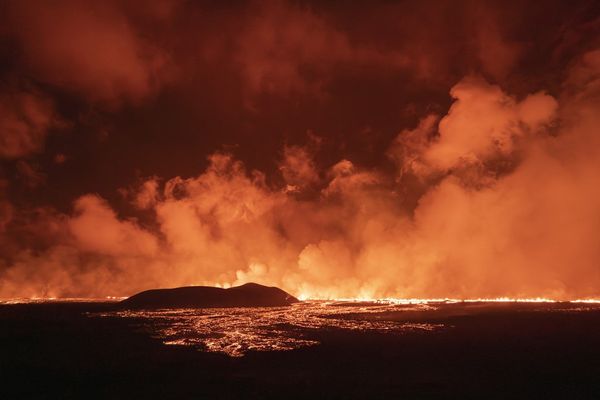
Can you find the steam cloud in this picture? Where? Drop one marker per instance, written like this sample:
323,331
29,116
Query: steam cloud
496,196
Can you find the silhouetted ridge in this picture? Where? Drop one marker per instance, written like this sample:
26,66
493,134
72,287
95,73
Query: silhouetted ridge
248,295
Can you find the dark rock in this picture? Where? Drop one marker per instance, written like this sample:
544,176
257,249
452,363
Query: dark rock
248,295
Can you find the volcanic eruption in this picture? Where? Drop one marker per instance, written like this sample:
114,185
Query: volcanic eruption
283,199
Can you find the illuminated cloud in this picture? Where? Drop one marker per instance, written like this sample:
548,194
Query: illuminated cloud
95,228
286,49
453,160
89,48
147,194
25,119
298,168
485,123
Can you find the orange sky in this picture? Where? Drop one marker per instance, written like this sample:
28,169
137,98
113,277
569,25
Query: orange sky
417,149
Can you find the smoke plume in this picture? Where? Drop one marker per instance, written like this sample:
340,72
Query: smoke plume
492,192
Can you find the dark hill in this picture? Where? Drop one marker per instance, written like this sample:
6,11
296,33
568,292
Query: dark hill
248,295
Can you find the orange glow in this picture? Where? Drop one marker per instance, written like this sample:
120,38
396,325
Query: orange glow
391,301
449,300
303,147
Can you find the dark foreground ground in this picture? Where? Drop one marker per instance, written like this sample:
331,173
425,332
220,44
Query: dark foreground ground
50,351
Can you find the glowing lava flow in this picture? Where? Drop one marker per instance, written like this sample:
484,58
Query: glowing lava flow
392,300
236,331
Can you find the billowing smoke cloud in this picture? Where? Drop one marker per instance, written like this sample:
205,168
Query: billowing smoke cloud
525,230
481,133
298,168
490,191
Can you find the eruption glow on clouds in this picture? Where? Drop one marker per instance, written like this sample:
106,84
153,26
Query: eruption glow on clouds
496,195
